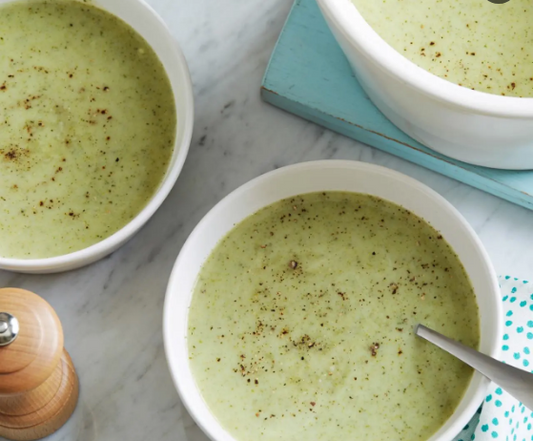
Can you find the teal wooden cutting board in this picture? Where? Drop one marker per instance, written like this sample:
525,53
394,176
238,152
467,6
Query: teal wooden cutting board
309,76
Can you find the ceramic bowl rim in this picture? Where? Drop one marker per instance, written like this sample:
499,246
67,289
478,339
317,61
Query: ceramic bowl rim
189,394
181,146
351,24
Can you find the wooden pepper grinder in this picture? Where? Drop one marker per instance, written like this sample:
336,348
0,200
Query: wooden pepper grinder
38,382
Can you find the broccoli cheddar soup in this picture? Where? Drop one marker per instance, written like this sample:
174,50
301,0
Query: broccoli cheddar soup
301,324
476,43
87,126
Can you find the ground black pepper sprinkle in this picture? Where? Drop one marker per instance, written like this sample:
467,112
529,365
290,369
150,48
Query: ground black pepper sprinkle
291,330
399,24
49,120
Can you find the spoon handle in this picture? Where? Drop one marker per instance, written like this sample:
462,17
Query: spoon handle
515,381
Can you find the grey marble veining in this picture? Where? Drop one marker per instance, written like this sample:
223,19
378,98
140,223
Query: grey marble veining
112,310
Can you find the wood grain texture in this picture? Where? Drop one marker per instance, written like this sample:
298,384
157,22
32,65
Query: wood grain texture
49,418
38,382
33,400
309,76
33,356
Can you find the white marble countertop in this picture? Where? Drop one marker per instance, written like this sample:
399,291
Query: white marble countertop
111,311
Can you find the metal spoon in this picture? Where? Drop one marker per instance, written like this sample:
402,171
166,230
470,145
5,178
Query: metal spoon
517,382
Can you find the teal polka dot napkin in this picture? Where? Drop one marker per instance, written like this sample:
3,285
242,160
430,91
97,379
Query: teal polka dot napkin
501,417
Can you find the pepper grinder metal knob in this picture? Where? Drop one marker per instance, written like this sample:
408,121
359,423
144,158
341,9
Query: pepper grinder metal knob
38,382
9,328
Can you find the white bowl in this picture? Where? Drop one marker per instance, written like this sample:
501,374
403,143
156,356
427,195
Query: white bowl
149,25
472,126
326,176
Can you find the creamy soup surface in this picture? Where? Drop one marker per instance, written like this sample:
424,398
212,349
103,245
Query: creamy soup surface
477,44
301,323
87,126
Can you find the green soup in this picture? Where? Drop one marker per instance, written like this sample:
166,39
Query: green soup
87,126
301,323
475,43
